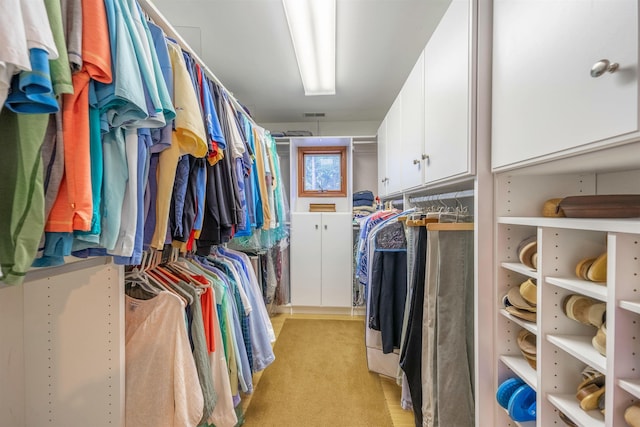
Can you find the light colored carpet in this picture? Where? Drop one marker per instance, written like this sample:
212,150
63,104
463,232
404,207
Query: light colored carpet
319,378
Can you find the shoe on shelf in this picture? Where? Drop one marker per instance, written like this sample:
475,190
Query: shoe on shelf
601,403
591,375
568,421
522,404
506,389
584,309
589,396
632,415
599,342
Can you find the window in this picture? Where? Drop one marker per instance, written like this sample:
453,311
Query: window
322,171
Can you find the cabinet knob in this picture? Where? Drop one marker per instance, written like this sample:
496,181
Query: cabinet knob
316,226
325,226
385,180
425,157
416,161
603,66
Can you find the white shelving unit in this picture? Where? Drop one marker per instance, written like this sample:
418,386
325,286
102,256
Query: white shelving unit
564,346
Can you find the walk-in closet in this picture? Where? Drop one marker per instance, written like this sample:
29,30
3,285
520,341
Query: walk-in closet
319,213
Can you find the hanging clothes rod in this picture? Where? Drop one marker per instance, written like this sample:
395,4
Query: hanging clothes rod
444,196
152,11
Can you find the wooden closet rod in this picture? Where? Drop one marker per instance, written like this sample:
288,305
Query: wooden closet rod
159,19
450,226
420,222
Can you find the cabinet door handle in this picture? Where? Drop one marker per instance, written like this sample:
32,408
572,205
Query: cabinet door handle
603,66
316,226
325,226
416,161
425,157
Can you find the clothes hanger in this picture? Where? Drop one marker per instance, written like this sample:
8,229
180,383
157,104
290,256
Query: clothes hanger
140,279
188,277
168,281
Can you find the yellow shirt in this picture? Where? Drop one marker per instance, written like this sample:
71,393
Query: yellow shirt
189,137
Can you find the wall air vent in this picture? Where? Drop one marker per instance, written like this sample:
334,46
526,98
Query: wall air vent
308,115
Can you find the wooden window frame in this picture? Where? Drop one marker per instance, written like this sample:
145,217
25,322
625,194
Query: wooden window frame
342,151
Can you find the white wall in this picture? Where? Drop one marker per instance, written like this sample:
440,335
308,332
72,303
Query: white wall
327,128
365,167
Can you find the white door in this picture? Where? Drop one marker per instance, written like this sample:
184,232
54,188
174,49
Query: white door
412,94
447,97
394,146
382,159
337,259
306,258
544,98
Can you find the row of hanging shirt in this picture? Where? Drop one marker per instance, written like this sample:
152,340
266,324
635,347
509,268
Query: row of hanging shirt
196,331
116,140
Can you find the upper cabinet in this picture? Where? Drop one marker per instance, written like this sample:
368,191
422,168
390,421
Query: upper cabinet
565,78
428,137
412,98
383,177
448,141
394,152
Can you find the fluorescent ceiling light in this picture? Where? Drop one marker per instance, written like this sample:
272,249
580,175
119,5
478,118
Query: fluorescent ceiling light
312,24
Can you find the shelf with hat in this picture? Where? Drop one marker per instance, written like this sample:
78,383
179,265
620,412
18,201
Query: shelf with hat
518,267
584,287
569,406
581,348
528,325
587,272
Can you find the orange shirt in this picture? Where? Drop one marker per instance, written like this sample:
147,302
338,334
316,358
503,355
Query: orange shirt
73,207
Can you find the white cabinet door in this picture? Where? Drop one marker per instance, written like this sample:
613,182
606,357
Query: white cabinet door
447,96
394,146
545,102
337,255
412,94
321,259
382,159
306,252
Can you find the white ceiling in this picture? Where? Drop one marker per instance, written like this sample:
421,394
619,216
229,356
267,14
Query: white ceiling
246,43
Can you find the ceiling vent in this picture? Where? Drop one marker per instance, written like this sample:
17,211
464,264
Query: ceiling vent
310,115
